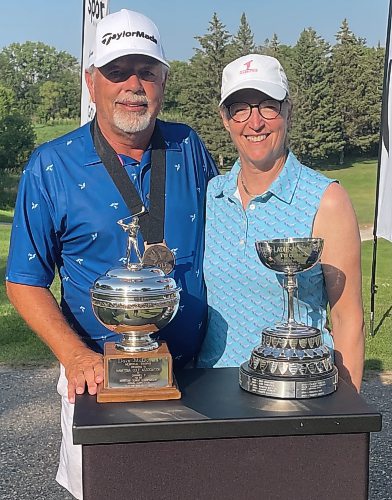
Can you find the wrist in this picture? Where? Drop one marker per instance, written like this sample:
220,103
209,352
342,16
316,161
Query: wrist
75,348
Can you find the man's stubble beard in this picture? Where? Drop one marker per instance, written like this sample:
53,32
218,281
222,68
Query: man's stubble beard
131,122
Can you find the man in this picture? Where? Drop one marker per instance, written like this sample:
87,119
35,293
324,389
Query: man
68,207
269,194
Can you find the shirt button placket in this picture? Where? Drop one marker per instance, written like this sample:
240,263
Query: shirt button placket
250,214
244,233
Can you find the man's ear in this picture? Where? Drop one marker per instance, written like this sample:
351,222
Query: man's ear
90,84
164,82
165,74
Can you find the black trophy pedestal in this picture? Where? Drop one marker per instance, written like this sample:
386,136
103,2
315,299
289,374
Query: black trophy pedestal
221,442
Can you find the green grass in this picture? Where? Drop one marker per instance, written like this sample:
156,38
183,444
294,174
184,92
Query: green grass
6,216
46,132
359,180
18,344
378,347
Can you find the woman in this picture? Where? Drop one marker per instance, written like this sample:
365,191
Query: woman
269,194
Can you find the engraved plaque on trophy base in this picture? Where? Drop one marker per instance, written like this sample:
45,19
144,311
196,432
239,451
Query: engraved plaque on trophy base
137,376
311,386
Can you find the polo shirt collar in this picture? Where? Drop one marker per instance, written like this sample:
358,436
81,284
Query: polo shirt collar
230,185
283,187
91,157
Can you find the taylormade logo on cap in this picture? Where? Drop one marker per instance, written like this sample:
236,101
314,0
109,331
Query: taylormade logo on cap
108,37
126,33
254,71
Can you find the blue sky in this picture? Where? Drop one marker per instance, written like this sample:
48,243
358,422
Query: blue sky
58,22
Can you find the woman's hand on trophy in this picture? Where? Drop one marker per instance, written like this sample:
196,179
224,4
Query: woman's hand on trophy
85,367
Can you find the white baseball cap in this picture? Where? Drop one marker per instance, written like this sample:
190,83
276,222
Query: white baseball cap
254,71
125,33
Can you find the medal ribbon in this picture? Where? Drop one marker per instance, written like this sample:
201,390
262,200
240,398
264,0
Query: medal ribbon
152,222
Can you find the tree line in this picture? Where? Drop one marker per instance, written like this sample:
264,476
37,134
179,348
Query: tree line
38,84
336,92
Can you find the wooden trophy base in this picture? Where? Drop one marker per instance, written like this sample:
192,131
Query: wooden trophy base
137,376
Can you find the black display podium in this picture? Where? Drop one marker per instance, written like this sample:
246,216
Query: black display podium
220,442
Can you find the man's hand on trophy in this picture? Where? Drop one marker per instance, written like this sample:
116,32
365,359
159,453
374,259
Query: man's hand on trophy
84,368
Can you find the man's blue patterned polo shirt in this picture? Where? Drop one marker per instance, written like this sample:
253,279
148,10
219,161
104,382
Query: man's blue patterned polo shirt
66,217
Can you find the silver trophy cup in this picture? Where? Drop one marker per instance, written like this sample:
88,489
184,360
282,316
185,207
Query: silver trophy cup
291,360
134,300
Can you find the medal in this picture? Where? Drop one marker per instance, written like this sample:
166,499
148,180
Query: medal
159,255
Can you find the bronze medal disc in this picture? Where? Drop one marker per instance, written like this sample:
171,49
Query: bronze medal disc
159,256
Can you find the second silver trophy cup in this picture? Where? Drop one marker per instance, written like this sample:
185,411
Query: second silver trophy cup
291,362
